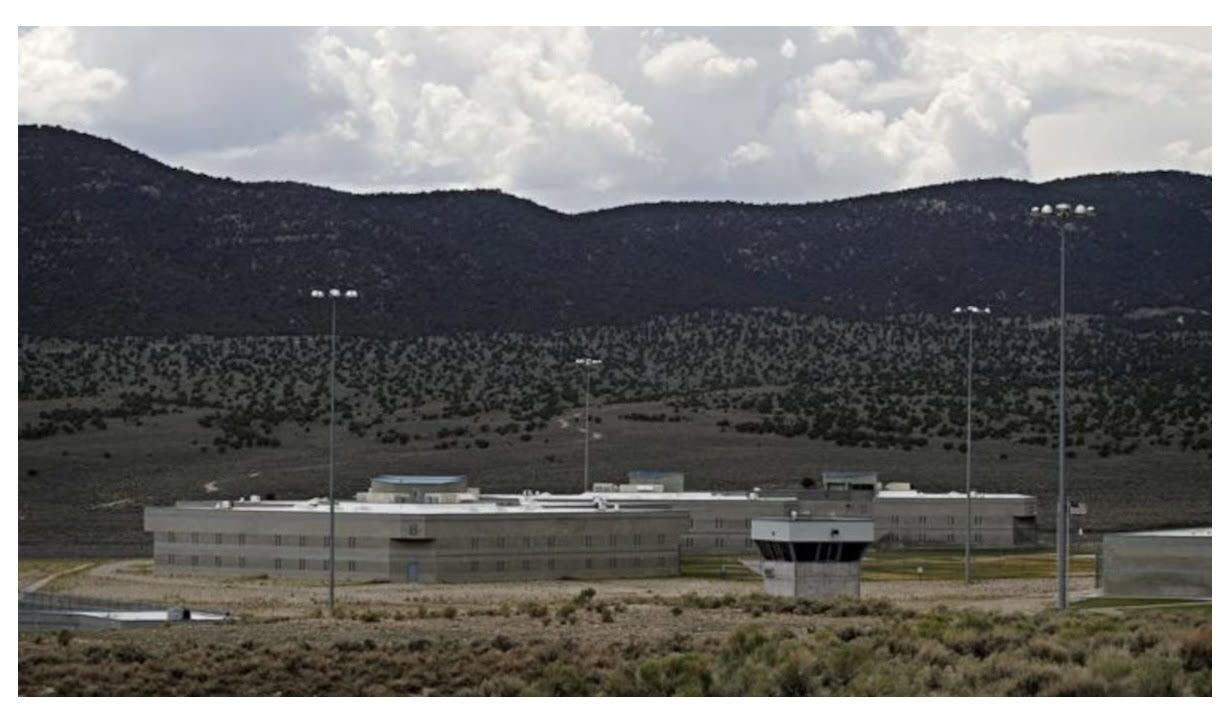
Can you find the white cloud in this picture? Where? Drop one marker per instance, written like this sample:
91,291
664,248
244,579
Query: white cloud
695,60
749,153
1182,155
53,85
579,118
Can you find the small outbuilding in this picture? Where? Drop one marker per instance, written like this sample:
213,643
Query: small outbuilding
1177,563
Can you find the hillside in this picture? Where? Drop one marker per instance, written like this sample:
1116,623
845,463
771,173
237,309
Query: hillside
112,242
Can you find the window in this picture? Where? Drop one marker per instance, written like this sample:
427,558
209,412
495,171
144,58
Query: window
719,542
687,542
194,537
328,541
217,539
977,521
499,543
636,562
717,523
589,540
243,539
922,519
612,563
350,541
589,563
473,566
951,538
661,539
302,562
636,539
195,560
691,524
350,565
978,538
896,520
952,520
661,561
747,523
525,564
277,539
499,565
550,542
526,542
170,537
613,539
551,564
171,559
473,542
243,562
302,541
277,563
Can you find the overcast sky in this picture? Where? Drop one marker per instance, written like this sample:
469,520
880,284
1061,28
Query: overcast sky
587,118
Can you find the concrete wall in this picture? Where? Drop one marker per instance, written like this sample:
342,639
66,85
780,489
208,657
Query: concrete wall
811,580
1156,566
723,526
430,547
939,522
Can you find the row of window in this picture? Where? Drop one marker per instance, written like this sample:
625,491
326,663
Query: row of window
722,523
718,542
529,564
172,537
241,562
951,520
923,537
551,542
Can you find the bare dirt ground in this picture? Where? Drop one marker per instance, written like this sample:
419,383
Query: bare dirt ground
134,580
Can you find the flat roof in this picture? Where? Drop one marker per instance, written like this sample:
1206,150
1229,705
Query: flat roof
654,474
1169,532
949,495
640,496
404,509
805,519
418,480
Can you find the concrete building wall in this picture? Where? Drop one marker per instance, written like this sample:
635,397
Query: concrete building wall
1157,566
425,547
939,521
723,526
810,580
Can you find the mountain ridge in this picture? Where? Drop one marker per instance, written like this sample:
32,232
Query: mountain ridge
112,241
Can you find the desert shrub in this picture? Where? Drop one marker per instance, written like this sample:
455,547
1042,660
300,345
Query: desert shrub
1076,683
1035,679
1156,677
534,610
449,612
586,595
501,686
1196,649
559,679
684,675
64,637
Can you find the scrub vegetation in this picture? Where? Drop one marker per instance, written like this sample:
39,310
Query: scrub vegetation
845,647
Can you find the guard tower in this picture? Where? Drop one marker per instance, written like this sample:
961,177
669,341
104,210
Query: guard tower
812,557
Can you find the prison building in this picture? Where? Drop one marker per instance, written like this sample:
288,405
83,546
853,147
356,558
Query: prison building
812,557
717,522
1170,564
406,542
910,518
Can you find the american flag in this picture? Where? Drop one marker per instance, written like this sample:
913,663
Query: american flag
1077,508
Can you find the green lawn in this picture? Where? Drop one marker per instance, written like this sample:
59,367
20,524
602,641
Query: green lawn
1139,603
901,564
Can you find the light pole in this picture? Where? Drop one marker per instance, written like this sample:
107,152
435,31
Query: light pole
587,364
969,313
1059,216
332,295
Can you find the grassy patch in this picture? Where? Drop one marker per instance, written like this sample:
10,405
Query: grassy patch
715,567
949,564
1137,603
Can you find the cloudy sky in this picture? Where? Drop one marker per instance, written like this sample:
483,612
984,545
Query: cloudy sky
585,118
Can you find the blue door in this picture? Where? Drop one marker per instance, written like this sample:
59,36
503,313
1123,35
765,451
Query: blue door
412,571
